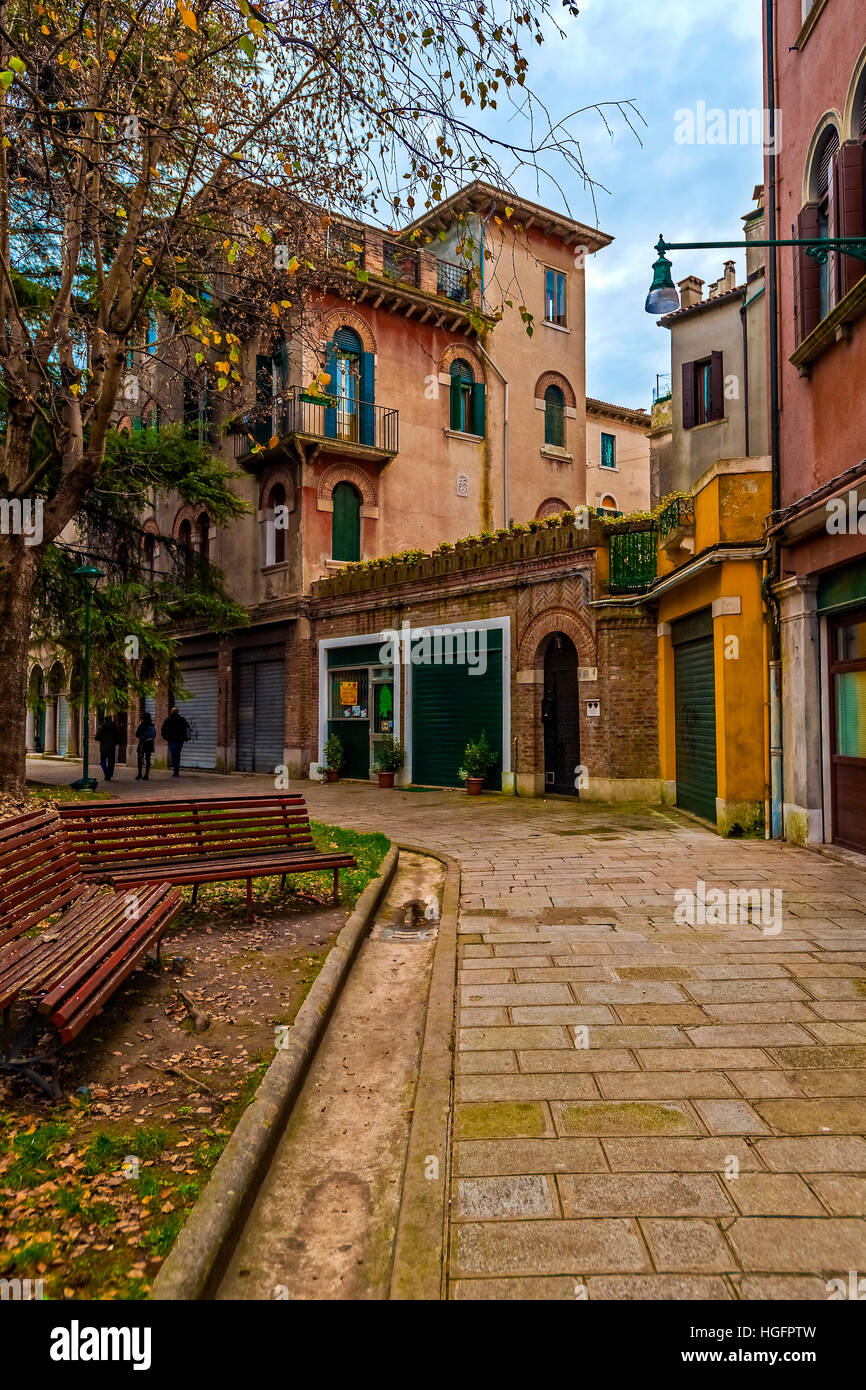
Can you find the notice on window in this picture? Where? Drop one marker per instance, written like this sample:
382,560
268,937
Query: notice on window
348,692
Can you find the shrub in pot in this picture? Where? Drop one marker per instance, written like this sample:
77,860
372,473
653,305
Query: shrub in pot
478,759
390,757
334,757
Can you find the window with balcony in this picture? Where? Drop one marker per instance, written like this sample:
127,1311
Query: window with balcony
555,308
608,450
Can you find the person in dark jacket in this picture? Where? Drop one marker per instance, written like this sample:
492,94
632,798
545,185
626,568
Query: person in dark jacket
107,737
175,731
146,735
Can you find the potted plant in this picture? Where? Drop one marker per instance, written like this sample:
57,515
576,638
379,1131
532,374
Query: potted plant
390,757
333,758
478,759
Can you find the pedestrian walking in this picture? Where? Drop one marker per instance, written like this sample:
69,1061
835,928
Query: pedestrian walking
175,731
146,735
107,737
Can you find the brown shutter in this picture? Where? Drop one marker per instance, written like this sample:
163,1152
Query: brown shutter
809,274
690,418
851,170
717,404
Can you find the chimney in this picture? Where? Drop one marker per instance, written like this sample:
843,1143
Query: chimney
730,276
691,291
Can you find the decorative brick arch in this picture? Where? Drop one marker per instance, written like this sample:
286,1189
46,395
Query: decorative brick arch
190,514
465,354
278,474
551,506
556,379
348,318
150,528
345,473
532,644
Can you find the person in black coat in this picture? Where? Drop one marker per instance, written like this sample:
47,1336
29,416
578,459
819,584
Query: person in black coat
107,737
175,731
146,735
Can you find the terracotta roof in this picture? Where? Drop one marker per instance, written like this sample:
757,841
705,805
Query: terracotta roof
704,305
484,196
635,416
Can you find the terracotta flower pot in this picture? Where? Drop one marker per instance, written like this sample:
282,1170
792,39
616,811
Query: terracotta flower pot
333,774
386,779
474,785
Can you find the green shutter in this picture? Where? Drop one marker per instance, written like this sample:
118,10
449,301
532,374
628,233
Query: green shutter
455,402
367,385
479,409
695,715
330,389
346,523
450,707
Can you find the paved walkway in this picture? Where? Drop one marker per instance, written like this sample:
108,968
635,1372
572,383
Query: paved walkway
644,1107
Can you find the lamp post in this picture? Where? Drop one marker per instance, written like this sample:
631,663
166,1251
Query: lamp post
663,297
90,577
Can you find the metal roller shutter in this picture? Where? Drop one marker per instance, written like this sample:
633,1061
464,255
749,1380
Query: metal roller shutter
261,716
200,711
450,707
695,715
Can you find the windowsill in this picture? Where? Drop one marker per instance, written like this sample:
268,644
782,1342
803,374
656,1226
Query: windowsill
809,24
608,467
708,424
832,329
340,564
275,567
463,434
550,451
559,327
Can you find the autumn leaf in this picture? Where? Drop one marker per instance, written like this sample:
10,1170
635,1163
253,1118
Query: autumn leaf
273,441
188,18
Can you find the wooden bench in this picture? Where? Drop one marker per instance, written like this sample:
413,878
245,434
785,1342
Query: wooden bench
65,945
193,842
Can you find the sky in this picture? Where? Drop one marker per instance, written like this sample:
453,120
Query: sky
668,56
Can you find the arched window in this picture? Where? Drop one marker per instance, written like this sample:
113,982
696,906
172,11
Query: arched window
346,523
275,526
554,417
825,158
607,506
462,396
148,545
184,540
202,527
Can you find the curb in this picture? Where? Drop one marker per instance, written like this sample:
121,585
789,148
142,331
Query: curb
419,1267
199,1257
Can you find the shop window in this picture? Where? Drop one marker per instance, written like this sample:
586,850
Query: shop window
348,694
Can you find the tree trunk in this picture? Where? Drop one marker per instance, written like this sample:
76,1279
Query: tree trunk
18,565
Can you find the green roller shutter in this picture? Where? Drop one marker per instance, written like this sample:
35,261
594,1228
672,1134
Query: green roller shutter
695,714
450,707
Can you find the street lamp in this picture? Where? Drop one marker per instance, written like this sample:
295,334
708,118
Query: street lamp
663,297
90,577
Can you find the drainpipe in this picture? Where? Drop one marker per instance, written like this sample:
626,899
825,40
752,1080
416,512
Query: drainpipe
744,310
489,360
776,764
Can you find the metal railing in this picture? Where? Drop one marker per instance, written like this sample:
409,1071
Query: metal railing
679,512
633,560
451,281
401,263
321,416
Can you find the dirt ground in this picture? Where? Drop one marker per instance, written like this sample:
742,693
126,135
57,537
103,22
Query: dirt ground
94,1189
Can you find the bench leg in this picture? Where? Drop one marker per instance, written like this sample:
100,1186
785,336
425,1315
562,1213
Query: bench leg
12,1061
283,883
336,885
194,893
249,898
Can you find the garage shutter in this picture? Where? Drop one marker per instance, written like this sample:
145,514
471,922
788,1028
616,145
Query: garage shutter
450,707
200,711
695,713
261,716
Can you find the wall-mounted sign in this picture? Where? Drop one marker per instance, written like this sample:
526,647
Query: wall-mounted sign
587,673
593,709
348,692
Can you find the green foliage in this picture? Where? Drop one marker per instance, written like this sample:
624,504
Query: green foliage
478,758
390,754
334,755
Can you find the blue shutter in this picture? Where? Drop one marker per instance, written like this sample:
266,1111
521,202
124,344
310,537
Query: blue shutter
479,409
330,413
368,396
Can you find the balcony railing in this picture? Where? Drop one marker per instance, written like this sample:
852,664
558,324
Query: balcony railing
451,281
340,418
401,263
633,560
679,512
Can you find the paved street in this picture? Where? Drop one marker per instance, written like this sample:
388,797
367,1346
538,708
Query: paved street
644,1107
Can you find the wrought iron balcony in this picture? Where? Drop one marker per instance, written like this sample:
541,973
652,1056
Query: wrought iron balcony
633,560
451,281
341,419
401,263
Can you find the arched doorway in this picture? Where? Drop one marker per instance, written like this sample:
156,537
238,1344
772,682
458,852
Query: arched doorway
560,715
